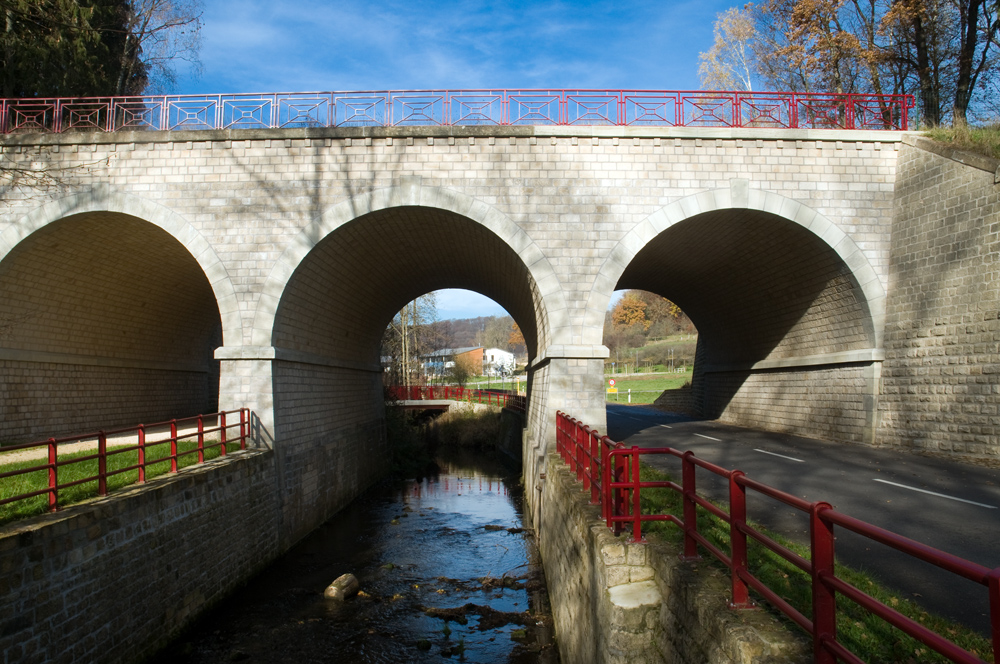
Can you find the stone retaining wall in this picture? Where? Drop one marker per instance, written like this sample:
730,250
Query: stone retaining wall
615,602
941,374
115,579
677,400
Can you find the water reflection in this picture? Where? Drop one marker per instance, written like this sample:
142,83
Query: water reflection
446,571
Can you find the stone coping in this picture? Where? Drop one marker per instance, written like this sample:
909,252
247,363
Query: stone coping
452,132
982,162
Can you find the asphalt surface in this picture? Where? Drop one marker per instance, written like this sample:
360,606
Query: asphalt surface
951,506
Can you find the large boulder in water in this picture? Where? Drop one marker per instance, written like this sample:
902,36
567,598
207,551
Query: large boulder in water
343,587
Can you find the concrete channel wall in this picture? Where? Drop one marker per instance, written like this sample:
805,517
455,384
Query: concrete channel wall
115,579
614,602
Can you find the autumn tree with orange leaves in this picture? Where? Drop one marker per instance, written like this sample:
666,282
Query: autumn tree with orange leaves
946,52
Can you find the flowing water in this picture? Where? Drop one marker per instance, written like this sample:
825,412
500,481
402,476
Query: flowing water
446,570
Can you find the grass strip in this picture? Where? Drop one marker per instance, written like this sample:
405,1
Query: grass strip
981,140
866,635
646,389
39,479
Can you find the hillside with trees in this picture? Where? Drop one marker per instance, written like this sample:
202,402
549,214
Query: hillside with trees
651,330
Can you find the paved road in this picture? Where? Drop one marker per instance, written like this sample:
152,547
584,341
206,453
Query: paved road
951,506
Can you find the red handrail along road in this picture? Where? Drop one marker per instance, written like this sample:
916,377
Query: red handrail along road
516,402
225,424
502,107
619,493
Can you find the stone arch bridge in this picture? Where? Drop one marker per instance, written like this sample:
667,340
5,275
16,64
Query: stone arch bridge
159,274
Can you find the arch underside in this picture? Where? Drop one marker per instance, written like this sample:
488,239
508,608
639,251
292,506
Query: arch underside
777,311
329,325
105,320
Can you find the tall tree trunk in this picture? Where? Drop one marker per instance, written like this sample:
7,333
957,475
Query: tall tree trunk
8,56
966,56
930,102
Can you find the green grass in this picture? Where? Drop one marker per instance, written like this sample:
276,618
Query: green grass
37,480
645,388
869,637
981,140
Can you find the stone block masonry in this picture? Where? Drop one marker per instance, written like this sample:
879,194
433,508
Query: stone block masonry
114,579
248,248
619,603
941,375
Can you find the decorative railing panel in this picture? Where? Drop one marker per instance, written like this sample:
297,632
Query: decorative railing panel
648,108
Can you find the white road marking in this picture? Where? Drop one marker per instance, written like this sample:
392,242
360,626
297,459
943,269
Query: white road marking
709,437
939,495
637,419
666,426
778,455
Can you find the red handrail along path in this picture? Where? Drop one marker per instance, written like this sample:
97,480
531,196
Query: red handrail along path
483,107
225,425
516,402
592,456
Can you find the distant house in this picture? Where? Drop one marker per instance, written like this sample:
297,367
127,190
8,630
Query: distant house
440,361
498,362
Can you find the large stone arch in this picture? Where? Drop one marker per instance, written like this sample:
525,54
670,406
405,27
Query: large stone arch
324,307
102,198
109,317
790,312
551,317
738,196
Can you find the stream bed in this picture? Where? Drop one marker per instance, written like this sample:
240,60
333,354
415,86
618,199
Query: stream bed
447,571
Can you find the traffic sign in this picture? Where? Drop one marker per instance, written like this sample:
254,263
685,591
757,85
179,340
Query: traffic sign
611,382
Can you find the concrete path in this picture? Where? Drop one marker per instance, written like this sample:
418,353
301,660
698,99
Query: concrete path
951,506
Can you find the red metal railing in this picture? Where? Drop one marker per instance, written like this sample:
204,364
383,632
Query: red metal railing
397,108
221,426
517,402
619,495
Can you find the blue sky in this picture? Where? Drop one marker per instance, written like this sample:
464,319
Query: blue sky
315,45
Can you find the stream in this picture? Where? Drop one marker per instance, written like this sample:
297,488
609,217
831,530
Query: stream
446,567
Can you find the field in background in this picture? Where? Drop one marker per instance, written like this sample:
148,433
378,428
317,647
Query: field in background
645,388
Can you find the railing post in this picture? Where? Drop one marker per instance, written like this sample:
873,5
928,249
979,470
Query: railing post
53,476
636,497
201,439
595,468
690,507
620,503
993,584
173,446
222,432
102,464
142,454
243,431
738,540
581,454
606,495
824,599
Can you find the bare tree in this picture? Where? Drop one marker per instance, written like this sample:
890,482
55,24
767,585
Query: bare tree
402,343
158,34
